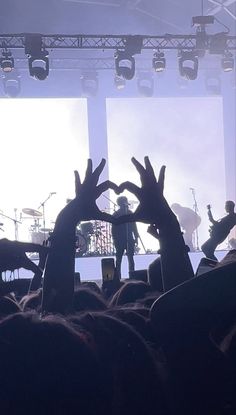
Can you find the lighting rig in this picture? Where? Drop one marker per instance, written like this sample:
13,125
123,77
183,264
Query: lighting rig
190,50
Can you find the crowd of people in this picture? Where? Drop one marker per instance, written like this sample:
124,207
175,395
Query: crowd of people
164,345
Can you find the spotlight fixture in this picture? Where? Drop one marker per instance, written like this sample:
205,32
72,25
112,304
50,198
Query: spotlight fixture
89,84
158,62
145,84
188,65
119,82
37,57
124,64
227,62
6,61
213,83
11,84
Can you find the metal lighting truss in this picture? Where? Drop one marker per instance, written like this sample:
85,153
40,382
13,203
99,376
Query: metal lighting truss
221,5
115,42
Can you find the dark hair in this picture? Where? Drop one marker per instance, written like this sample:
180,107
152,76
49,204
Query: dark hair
48,368
129,363
86,299
32,301
8,306
130,292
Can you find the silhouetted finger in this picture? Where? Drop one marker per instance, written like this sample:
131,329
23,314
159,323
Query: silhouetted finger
138,166
77,182
28,264
131,187
149,168
161,178
28,247
103,187
89,169
97,172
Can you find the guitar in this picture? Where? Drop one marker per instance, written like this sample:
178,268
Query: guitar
217,229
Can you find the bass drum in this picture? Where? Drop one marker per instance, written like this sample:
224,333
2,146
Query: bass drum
38,237
80,244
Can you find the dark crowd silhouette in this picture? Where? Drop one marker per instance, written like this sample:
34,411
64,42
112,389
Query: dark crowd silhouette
161,345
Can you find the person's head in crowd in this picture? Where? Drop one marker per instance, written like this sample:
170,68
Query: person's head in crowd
149,300
134,319
130,292
92,285
48,368
128,361
86,299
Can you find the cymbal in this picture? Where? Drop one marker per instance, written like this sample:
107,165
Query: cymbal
32,212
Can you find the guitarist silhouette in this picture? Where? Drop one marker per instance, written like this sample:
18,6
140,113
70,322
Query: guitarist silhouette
219,230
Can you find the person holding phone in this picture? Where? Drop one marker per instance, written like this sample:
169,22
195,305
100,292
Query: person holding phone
125,236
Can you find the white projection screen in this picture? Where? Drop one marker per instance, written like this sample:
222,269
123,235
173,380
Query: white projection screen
42,142
186,135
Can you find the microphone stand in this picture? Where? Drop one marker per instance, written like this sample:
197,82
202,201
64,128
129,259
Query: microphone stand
16,222
111,201
42,204
195,208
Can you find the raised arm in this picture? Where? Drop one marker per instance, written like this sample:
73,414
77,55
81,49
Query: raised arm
58,286
154,209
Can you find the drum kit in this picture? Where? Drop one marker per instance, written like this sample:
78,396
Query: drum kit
38,234
92,238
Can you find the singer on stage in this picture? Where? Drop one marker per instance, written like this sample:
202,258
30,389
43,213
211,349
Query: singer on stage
125,236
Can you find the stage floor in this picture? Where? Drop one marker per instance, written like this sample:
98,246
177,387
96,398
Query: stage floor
90,267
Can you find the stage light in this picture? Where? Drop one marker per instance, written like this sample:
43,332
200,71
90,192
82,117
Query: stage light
188,65
119,82
7,61
213,84
39,66
145,84
11,84
159,62
89,84
124,64
37,57
227,62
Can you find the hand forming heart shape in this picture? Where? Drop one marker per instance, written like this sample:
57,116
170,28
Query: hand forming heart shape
152,208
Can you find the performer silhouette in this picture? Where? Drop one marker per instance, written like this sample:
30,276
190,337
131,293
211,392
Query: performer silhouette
125,236
189,221
219,230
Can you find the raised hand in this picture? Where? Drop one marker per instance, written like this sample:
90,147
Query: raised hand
13,255
84,207
153,207
58,286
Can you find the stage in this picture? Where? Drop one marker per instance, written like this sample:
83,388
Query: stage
90,267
